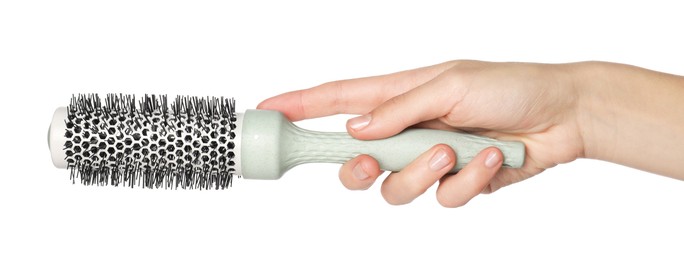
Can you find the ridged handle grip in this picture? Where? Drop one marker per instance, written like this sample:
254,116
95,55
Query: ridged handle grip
393,153
268,133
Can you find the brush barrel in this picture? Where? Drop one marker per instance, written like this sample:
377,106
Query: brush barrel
271,145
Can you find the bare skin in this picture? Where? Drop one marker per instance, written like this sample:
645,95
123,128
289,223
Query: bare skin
612,112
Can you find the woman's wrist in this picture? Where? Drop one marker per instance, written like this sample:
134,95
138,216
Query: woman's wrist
626,115
586,81
605,92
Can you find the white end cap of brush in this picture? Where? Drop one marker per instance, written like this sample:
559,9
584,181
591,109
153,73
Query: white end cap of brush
56,138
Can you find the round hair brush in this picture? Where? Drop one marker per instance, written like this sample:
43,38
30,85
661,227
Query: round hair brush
202,143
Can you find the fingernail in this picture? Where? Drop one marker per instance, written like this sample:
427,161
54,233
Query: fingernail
359,173
359,122
439,160
492,159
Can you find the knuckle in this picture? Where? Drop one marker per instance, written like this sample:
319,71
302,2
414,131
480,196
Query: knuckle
339,102
393,109
337,88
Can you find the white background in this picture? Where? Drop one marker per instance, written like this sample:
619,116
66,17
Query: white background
50,50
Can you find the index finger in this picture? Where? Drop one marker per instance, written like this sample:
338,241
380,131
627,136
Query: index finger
352,96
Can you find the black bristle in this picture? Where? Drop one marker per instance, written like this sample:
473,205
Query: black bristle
133,144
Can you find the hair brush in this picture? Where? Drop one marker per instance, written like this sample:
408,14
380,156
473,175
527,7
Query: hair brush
202,143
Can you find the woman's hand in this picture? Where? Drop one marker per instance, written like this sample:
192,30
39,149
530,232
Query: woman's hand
538,104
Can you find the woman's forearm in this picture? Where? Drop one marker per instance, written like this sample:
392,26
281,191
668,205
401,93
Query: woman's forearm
631,116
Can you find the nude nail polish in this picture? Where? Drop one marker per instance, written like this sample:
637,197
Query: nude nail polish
492,159
359,122
359,173
439,160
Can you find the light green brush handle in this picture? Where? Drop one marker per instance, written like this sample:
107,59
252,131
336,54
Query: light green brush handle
268,145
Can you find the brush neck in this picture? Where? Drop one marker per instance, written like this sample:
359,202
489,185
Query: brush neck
305,146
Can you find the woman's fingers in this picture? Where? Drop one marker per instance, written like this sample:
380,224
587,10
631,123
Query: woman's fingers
456,190
432,166
354,96
432,100
359,173
404,186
